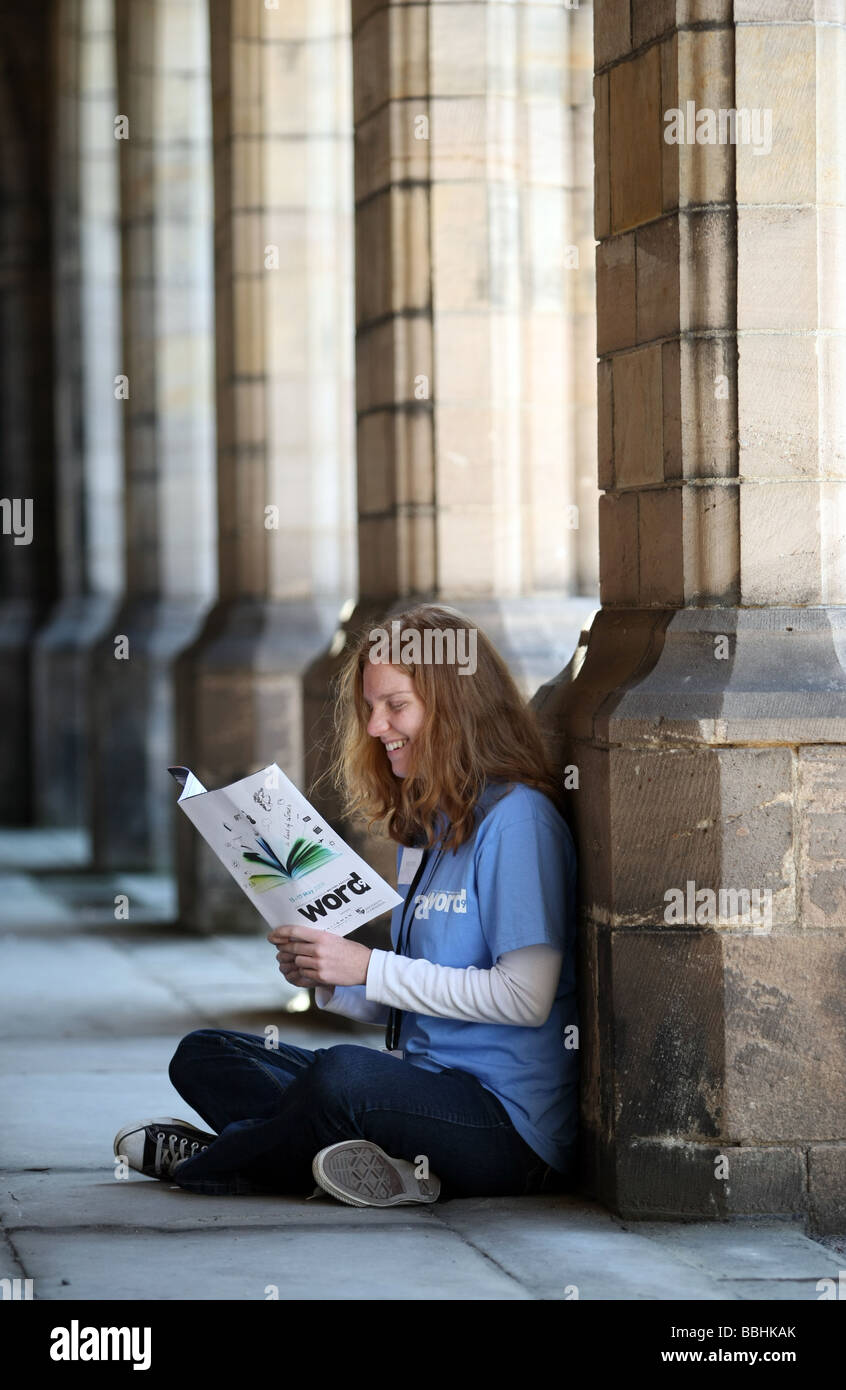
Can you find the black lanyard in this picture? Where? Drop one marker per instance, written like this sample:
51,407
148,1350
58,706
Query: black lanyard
394,1024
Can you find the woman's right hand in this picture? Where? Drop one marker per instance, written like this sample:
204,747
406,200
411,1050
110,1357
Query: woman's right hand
310,956
287,967
285,957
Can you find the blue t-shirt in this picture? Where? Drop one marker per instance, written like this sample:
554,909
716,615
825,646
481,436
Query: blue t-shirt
512,884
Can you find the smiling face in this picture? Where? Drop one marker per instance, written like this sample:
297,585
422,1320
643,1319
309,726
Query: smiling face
396,712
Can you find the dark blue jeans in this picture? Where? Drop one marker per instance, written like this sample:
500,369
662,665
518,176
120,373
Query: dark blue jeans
274,1109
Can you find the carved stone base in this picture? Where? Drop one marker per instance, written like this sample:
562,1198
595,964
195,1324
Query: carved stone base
132,733
240,707
61,661
19,621
710,748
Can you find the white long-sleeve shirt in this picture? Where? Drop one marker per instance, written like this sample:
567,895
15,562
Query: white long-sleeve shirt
518,989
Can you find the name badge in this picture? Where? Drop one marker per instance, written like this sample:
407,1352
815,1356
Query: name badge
409,864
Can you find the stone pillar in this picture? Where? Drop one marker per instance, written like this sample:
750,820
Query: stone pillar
706,710
580,378
28,578
164,382
86,260
474,305
285,407
470,188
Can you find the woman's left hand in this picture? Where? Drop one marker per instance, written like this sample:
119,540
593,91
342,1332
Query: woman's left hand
308,956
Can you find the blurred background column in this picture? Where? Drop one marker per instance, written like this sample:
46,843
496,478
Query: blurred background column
284,341
164,380
475,346
28,567
707,716
86,297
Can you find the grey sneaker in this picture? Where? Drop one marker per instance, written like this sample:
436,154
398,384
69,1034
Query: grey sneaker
156,1147
363,1175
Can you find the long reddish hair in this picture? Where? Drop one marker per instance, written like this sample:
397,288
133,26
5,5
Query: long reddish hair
476,728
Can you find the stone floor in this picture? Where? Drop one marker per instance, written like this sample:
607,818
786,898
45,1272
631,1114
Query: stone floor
91,1011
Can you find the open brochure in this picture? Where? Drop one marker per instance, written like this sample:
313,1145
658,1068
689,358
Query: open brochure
291,866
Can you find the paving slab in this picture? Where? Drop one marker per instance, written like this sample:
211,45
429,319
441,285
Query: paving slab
72,1125
41,1056
44,902
26,904
10,1266
80,1200
86,985
80,986
204,961
556,1244
22,848
154,893
770,1250
556,1248
776,1291
62,1113
404,1262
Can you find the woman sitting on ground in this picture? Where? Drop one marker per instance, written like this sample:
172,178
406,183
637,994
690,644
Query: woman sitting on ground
476,1091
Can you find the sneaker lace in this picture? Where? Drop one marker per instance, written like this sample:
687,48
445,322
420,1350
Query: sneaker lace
175,1151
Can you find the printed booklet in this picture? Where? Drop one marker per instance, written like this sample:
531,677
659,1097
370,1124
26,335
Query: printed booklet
291,866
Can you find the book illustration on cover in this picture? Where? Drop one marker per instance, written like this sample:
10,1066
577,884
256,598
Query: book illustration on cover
273,842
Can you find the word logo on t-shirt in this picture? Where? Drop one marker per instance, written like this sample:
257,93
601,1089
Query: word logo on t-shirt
440,901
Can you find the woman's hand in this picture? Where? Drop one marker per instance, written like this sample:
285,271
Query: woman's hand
308,956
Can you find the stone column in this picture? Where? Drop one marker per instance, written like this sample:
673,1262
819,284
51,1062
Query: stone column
28,576
706,711
470,160
86,260
284,340
164,382
474,305
580,378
